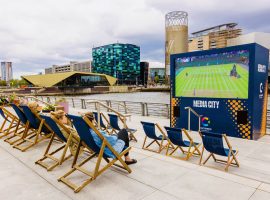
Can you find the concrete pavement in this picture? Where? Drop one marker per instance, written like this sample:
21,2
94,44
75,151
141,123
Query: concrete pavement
155,176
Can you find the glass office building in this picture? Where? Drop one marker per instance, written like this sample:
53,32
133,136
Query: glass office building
121,61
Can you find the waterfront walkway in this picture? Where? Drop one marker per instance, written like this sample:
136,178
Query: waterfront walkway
155,176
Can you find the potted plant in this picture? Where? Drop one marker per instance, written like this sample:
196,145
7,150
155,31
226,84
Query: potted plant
48,108
14,99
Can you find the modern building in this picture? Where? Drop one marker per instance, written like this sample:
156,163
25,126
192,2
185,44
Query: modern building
121,61
176,35
157,73
6,72
213,37
70,79
144,71
84,66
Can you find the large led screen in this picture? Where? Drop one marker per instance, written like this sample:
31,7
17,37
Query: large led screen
223,75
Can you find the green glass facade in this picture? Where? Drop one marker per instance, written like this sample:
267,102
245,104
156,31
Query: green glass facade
121,61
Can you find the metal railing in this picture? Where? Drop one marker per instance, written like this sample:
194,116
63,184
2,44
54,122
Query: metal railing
131,107
190,110
134,108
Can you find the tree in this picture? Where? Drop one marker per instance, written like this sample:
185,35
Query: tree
3,83
17,82
156,79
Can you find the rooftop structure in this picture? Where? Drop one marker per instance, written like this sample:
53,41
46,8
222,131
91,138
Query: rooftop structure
220,27
213,37
72,79
84,66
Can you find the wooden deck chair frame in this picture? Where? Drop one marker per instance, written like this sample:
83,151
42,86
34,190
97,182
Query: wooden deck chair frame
107,121
231,160
22,128
13,126
50,155
189,152
161,145
35,137
102,116
98,168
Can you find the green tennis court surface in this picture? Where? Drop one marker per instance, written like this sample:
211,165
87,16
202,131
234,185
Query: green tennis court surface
212,81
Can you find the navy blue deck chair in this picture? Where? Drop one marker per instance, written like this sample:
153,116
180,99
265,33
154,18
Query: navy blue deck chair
83,126
56,136
175,135
114,119
150,132
5,120
4,101
41,131
10,120
213,143
102,124
22,125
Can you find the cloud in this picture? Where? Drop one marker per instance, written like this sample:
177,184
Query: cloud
36,34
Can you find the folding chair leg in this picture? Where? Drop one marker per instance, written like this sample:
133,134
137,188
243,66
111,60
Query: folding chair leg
200,162
160,145
7,131
32,142
207,158
75,168
3,125
189,152
62,159
144,142
228,161
235,159
196,149
150,143
132,137
168,147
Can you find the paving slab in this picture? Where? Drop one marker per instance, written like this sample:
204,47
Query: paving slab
158,195
197,185
260,195
20,182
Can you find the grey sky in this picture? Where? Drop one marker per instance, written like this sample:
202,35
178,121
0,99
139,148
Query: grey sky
36,34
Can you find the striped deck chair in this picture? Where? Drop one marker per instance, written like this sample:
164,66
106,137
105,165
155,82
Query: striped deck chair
175,135
82,126
213,143
22,123
40,130
150,132
56,134
114,119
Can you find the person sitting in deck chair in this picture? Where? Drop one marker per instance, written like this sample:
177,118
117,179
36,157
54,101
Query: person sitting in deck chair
61,116
33,105
118,141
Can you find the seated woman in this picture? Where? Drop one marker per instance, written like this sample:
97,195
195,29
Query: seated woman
118,142
74,143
